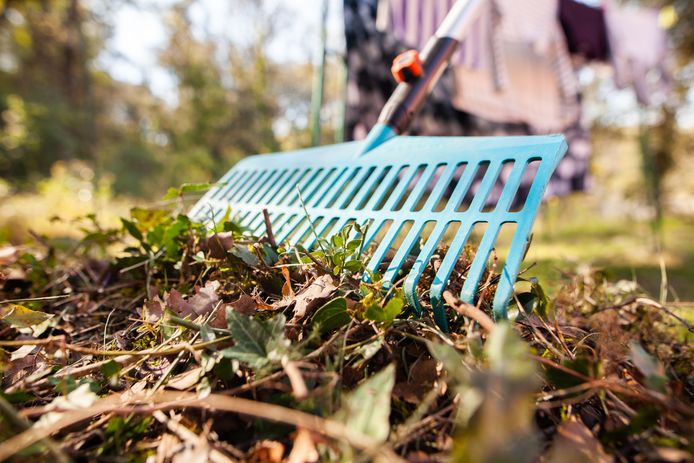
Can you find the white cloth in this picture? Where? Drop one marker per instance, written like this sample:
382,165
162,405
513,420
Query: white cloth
539,84
638,46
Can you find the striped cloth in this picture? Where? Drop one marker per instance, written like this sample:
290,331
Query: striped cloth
514,66
413,22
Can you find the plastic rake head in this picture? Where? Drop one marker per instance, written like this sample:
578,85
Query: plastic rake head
412,190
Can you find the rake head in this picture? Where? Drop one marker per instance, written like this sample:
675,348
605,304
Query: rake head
405,187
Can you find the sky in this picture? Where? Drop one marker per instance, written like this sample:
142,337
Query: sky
139,33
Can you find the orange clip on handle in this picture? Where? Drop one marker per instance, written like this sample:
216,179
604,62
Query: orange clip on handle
407,66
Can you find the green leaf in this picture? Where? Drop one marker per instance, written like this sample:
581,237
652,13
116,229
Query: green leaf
366,410
22,318
652,370
132,229
367,351
331,315
187,188
259,343
353,266
111,368
452,361
245,254
387,314
337,240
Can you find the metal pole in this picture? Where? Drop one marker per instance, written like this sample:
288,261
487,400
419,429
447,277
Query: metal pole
319,79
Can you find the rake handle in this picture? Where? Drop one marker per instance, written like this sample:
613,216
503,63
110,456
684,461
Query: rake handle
408,97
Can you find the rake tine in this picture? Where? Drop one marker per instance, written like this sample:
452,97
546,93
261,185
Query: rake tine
520,241
377,197
289,227
286,187
419,188
447,264
348,194
335,184
267,184
440,187
301,190
479,263
384,246
320,185
303,181
400,189
231,187
198,210
368,186
461,188
342,183
325,229
253,186
415,231
420,264
373,231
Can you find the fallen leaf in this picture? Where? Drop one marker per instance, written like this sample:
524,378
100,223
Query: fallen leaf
574,443
219,244
24,319
311,297
366,410
245,304
266,451
304,449
185,380
201,303
287,290
8,255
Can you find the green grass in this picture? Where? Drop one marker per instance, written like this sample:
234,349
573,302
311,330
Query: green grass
569,233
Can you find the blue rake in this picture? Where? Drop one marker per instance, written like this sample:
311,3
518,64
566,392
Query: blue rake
403,186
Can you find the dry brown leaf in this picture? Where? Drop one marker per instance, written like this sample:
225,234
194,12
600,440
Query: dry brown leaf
311,297
219,244
8,255
574,443
245,304
201,303
421,378
185,380
287,290
266,451
304,449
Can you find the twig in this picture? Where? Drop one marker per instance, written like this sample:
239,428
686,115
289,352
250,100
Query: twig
268,228
167,400
469,311
21,423
114,353
187,435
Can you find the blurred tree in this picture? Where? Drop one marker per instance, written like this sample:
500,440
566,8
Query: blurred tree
225,108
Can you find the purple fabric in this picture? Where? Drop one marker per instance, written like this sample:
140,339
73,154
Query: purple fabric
584,27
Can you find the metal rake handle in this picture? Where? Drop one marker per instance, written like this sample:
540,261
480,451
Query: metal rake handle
408,97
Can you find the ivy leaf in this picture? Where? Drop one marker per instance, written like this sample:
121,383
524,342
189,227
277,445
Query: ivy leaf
259,343
387,314
367,409
331,315
187,188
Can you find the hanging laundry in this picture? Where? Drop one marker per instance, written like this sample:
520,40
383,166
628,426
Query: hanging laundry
369,54
585,31
413,22
638,47
541,87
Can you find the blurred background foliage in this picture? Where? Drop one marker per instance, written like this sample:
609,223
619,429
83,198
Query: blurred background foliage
75,140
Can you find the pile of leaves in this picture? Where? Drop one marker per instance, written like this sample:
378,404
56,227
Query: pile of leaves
165,340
